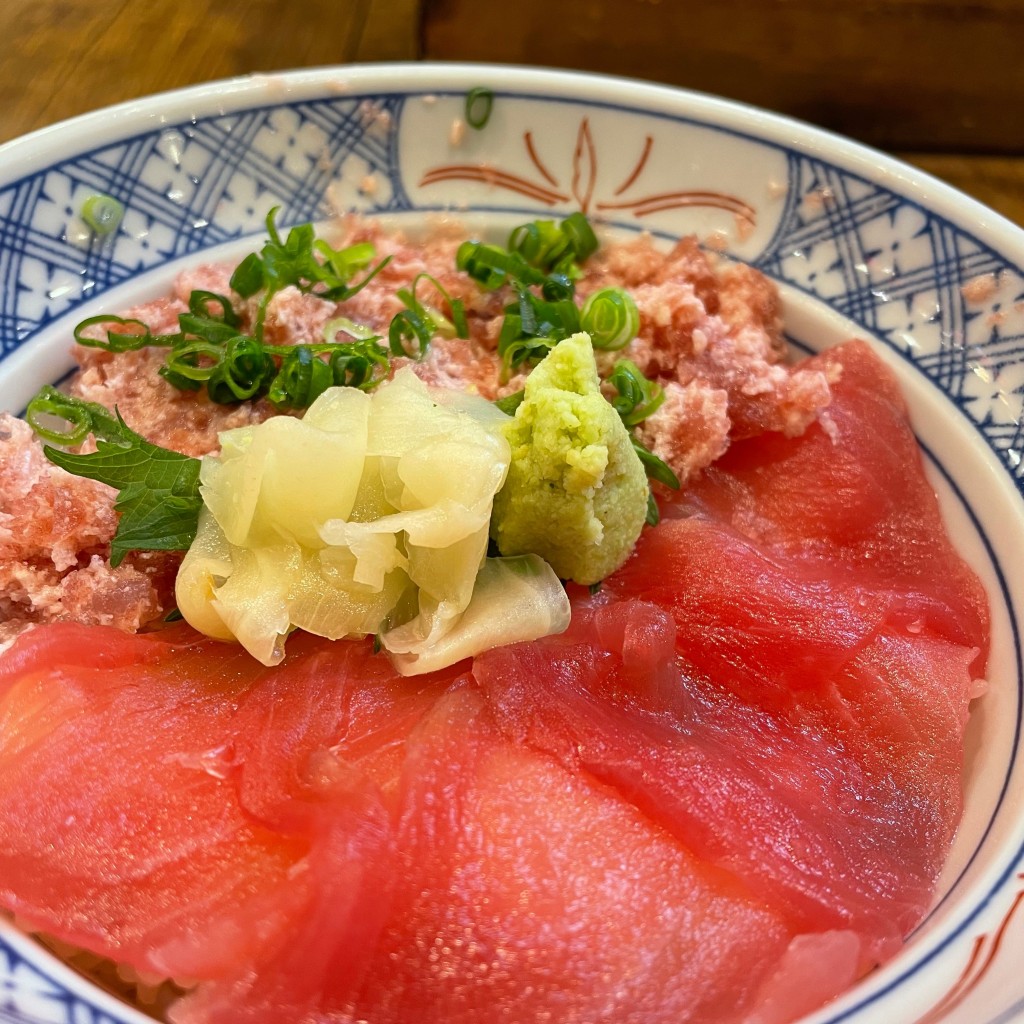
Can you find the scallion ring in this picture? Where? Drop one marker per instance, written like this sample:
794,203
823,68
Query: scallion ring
581,236
194,359
50,404
479,104
244,371
102,214
611,319
199,303
302,379
117,341
342,323
638,397
409,334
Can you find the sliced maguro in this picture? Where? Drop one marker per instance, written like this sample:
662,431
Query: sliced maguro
521,891
834,834
278,836
780,675
724,793
848,500
168,802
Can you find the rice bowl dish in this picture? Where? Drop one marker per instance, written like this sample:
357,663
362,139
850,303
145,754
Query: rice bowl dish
781,220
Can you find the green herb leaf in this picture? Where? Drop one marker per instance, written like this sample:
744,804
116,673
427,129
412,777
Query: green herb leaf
158,497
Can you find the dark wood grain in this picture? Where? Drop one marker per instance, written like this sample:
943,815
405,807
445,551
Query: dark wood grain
922,74
997,181
820,60
65,57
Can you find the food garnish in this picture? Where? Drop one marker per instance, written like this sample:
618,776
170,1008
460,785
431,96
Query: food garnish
158,490
418,323
309,263
275,543
479,103
636,398
102,214
391,541
576,492
213,350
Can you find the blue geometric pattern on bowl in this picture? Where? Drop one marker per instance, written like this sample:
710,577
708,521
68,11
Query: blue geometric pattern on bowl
874,256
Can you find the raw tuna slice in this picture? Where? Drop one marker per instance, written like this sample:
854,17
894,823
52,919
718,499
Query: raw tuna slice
850,499
167,802
834,838
824,635
523,892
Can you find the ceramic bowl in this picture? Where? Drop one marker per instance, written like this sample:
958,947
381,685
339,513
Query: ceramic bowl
858,243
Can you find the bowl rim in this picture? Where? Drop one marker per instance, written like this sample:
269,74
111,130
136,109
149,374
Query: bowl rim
34,150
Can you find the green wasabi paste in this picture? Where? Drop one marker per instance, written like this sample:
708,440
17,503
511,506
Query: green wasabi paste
576,492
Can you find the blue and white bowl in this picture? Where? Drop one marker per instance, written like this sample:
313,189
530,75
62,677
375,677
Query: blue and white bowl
858,244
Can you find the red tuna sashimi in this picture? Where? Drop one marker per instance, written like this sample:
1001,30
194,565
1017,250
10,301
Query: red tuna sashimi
817,830
849,498
742,758
524,892
828,657
169,803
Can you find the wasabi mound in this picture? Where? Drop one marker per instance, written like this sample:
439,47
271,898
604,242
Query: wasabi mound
576,492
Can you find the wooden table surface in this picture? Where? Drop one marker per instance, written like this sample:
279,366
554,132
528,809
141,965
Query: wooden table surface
66,57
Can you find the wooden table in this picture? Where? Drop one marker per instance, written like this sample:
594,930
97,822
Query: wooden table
65,57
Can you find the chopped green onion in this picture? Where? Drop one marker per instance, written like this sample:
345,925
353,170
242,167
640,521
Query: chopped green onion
542,243
247,279
79,416
302,379
479,103
199,305
355,365
346,262
637,397
523,352
102,213
194,359
611,319
409,334
491,266
210,350
244,372
653,516
119,341
456,327
657,469
581,235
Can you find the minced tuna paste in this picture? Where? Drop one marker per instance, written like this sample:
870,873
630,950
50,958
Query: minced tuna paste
710,335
